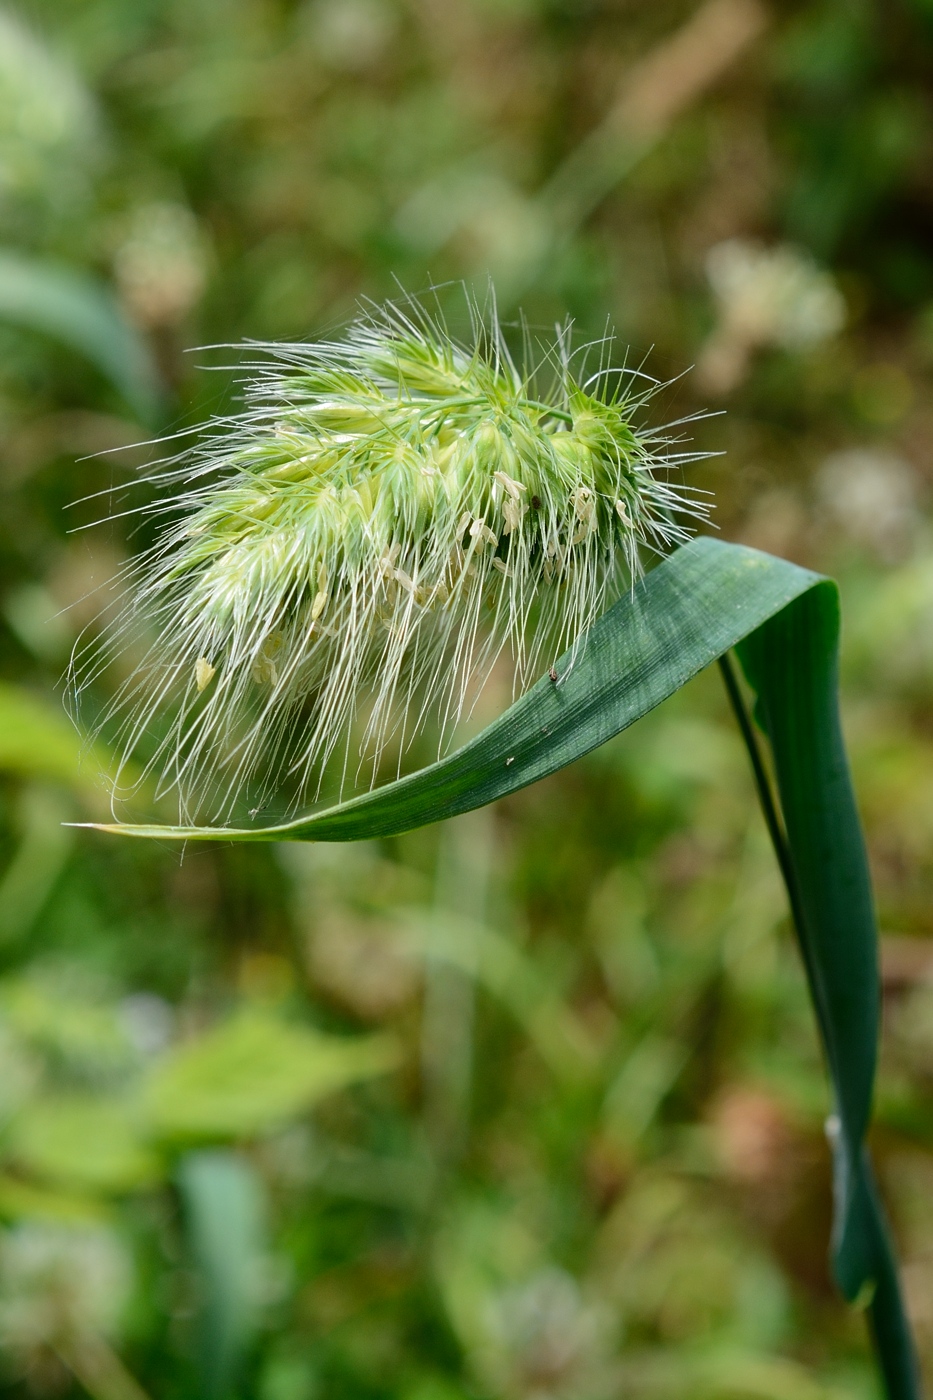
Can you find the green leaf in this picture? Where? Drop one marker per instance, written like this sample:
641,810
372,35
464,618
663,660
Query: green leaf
45,846
82,313
38,741
82,1141
792,663
700,602
253,1073
225,1215
689,610
21,1200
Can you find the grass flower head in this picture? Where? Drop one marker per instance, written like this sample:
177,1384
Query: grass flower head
352,552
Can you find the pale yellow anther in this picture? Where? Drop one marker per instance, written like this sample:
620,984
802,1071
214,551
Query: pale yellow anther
204,673
387,562
514,488
514,512
264,671
583,503
584,508
479,530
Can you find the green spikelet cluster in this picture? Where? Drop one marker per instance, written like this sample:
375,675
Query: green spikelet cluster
352,552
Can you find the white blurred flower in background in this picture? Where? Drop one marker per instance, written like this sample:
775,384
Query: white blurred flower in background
63,1292
161,264
871,495
494,226
546,1331
60,1280
775,297
350,35
528,1327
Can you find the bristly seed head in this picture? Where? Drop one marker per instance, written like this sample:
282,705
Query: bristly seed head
388,513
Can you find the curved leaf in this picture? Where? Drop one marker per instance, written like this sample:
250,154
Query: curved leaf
689,610
792,664
82,313
703,600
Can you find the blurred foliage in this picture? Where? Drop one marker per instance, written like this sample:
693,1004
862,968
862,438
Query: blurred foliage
529,1106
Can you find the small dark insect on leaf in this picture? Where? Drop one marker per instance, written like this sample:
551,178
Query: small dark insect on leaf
553,674
536,503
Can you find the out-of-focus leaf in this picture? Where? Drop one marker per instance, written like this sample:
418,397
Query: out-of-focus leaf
21,1200
63,1016
430,1387
226,1225
502,967
81,1141
82,313
38,741
253,1073
44,847
730,1374
35,739
400,1182
638,1090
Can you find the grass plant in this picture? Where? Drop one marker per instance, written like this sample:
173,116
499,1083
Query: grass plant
388,515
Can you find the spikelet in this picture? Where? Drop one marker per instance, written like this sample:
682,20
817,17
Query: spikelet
388,513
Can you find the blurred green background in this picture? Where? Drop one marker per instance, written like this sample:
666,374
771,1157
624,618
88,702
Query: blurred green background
528,1107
